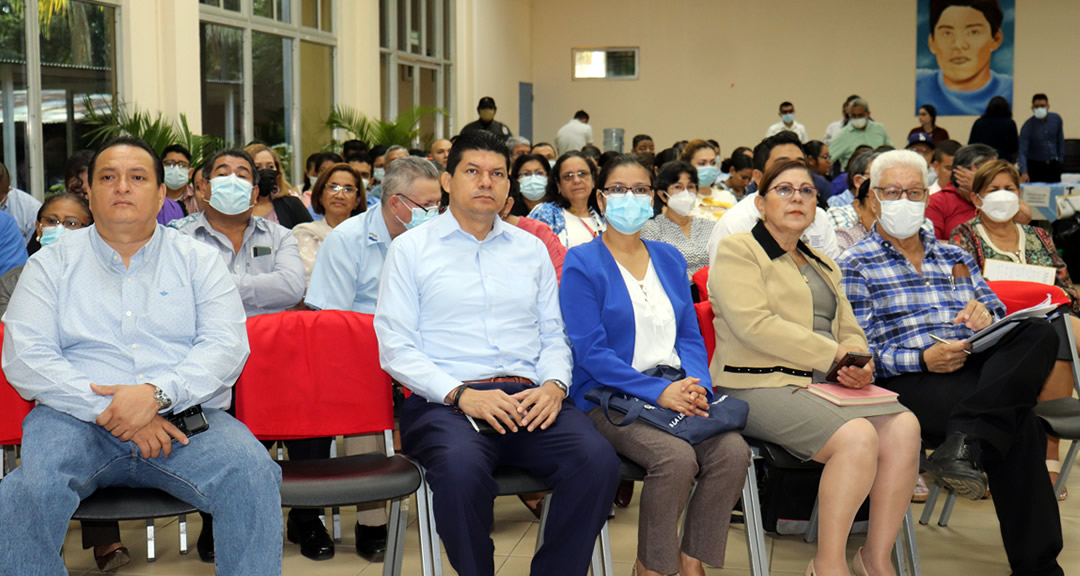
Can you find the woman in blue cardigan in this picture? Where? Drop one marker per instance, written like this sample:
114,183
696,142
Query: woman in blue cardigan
630,319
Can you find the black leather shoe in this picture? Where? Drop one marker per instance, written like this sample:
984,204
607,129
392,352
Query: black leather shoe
956,464
371,542
624,493
314,542
205,545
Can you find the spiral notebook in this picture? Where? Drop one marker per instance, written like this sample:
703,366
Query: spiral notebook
844,396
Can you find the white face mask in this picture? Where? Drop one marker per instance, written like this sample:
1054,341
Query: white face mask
858,123
1000,205
1040,112
683,202
902,218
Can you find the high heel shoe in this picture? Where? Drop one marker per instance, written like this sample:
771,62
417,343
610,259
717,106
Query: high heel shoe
857,564
810,568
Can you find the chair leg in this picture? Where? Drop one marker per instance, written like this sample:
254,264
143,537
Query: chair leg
183,534
898,554
908,528
931,502
811,528
752,522
601,562
336,513
391,565
546,504
150,556
1066,467
425,524
946,511
436,543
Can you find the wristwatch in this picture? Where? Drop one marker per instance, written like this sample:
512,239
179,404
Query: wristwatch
163,400
562,386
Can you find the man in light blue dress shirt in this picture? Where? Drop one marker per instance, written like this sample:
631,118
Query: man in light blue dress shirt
350,260
110,330
346,277
22,206
468,319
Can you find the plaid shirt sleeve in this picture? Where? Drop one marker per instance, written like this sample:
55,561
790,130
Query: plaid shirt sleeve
889,359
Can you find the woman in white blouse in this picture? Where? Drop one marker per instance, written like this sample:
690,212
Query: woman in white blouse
570,207
338,194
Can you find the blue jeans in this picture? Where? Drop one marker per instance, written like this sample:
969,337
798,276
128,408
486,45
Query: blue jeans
224,471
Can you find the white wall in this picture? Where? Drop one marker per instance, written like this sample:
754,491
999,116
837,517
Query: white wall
159,57
493,55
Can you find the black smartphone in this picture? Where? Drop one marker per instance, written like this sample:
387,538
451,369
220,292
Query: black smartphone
856,359
191,421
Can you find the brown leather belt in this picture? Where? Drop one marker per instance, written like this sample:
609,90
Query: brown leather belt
515,379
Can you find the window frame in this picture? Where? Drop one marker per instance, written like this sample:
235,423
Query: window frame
442,61
605,49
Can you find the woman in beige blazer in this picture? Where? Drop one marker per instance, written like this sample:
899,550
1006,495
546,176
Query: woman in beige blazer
782,320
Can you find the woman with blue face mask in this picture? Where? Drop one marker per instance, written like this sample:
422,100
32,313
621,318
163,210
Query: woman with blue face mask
530,171
713,200
629,316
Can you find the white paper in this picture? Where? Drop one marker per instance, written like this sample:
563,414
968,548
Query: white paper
990,335
1037,196
1002,270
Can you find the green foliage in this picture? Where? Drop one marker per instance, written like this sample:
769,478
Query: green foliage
403,131
155,129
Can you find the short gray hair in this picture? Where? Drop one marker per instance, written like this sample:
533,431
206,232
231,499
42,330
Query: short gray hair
513,141
897,159
395,148
860,103
403,172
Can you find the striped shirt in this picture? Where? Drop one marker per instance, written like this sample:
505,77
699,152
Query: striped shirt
899,308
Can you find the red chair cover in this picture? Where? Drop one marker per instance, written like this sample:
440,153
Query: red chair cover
705,323
1019,295
313,374
12,409
701,280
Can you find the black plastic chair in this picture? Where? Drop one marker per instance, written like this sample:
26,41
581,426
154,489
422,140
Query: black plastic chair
118,503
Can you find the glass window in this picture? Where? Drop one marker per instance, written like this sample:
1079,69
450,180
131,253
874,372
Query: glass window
309,13
222,82
283,10
78,65
619,63
316,96
13,112
233,5
271,71
384,25
428,95
415,68
264,8
326,16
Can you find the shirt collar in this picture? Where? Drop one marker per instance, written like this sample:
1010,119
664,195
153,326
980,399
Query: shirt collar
254,223
107,253
448,224
377,232
929,241
773,249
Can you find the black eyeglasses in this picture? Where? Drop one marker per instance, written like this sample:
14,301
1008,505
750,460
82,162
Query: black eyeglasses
620,189
894,193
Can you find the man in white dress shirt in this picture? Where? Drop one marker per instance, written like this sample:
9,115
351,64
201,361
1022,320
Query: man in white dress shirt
575,134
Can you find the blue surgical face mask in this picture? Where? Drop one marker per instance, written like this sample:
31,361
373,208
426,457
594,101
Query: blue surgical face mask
627,213
418,215
50,234
788,118
533,186
230,194
706,175
379,174
175,177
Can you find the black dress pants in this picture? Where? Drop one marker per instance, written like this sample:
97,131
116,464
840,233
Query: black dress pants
990,399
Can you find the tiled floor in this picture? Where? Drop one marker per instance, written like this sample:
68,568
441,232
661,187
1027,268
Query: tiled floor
970,545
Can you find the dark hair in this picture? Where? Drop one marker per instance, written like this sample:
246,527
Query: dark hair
359,157
640,138
208,166
970,155
765,147
417,152
725,166
377,150
991,10
946,148
813,148
931,111
581,115
619,161
670,174
519,208
178,148
1039,96
476,140
858,165
715,145
692,148
779,168
998,107
786,103
325,157
606,157
311,161
351,147
666,155
159,169
320,186
553,195
539,144
76,163
592,152
738,163
864,192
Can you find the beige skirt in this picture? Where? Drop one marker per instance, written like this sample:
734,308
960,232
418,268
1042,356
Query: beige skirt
799,421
